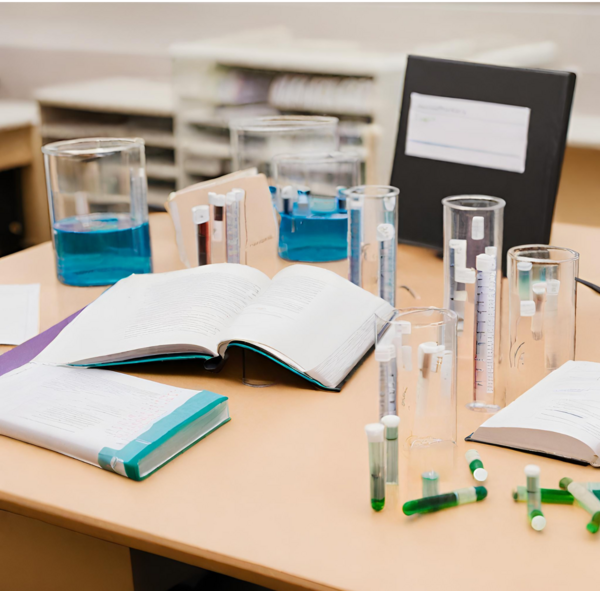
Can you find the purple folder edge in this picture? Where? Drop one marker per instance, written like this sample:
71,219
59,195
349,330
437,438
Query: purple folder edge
30,349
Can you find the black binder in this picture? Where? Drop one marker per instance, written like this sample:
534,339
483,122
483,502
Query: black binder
529,195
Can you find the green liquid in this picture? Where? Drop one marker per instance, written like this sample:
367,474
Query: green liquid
377,504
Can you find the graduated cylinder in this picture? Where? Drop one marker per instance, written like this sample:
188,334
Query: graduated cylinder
542,306
473,227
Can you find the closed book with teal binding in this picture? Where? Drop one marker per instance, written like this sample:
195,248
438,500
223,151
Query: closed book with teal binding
117,422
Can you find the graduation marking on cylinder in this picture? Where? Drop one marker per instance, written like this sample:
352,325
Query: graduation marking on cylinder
485,331
386,238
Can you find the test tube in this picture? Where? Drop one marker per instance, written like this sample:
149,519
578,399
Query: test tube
304,200
534,498
476,465
341,198
524,271
550,496
542,310
586,499
391,423
462,496
537,322
458,294
201,215
217,239
355,239
430,480
385,354
386,237
233,201
430,358
376,465
592,486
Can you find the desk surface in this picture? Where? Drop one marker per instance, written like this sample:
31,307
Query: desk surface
279,496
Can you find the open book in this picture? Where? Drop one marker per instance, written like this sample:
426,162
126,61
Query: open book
306,318
120,423
559,416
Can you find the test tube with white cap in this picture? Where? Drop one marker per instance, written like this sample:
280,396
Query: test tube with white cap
534,498
233,202
476,465
391,424
355,206
375,437
201,216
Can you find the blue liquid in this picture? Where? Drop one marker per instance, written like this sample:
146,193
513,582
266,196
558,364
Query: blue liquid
313,238
100,249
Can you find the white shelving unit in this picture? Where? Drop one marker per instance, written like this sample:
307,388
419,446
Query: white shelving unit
117,107
271,72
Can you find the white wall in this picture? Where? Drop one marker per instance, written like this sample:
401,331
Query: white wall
43,44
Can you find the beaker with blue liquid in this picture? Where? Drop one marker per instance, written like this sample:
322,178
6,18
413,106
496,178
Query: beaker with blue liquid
310,199
98,208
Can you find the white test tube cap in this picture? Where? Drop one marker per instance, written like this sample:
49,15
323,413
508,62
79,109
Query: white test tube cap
538,523
218,200
524,266
428,348
200,214
385,232
464,275
532,471
477,228
354,203
480,474
491,251
375,432
390,421
527,308
230,198
239,194
485,262
552,286
385,352
539,288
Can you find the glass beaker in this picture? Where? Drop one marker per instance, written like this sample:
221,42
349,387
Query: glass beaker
373,238
311,204
473,226
416,352
542,305
256,140
98,209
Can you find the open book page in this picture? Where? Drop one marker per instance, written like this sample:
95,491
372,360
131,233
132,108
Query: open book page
313,319
166,313
78,412
566,402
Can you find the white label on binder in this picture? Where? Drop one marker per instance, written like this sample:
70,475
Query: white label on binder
476,133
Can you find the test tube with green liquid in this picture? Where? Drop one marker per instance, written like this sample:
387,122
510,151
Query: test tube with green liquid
551,496
591,486
587,499
376,465
462,496
391,423
430,482
534,498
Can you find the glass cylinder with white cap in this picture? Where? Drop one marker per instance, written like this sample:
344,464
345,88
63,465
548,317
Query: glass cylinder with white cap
473,226
542,306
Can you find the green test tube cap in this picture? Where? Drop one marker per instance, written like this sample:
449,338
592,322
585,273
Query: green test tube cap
564,483
476,465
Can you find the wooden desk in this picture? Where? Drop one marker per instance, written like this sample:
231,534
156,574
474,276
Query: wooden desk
280,495
20,147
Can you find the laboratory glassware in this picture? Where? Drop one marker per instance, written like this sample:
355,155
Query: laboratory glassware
542,306
472,271
97,193
254,141
311,206
373,238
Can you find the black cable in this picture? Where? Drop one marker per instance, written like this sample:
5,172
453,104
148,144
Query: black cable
593,286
